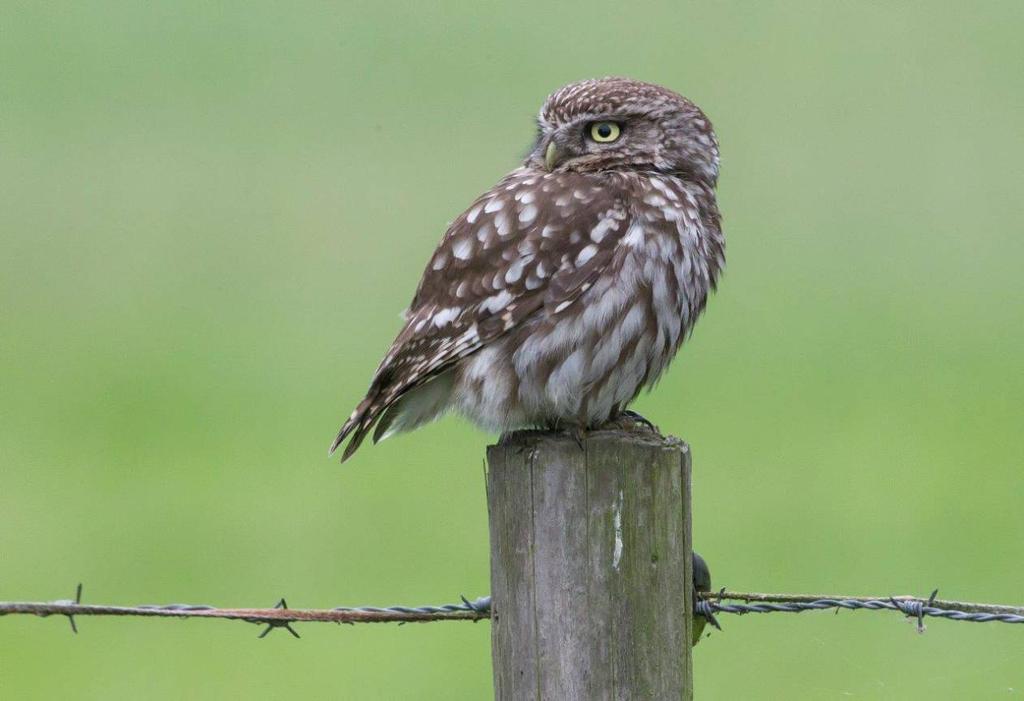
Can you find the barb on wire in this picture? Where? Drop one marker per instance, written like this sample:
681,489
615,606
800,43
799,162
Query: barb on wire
707,605
68,602
280,623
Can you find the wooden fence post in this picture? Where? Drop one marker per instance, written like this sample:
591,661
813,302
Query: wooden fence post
591,577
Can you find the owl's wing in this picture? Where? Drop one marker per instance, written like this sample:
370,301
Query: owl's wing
534,240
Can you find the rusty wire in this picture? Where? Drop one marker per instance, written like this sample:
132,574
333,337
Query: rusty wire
708,605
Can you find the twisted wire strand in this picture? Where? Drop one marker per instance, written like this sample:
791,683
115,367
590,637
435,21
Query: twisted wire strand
913,608
707,605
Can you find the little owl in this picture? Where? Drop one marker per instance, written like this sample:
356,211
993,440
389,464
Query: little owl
567,288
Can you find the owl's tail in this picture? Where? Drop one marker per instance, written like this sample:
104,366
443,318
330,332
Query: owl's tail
358,426
395,413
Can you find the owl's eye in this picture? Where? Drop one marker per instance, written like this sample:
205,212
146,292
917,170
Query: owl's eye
605,132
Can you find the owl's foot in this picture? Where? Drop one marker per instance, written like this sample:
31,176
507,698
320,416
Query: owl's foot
629,421
640,420
575,431
578,432
519,435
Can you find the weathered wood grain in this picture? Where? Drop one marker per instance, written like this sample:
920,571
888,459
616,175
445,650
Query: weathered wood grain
590,567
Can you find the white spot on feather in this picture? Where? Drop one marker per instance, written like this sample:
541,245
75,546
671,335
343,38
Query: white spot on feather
604,226
462,249
634,235
496,303
515,271
585,254
503,223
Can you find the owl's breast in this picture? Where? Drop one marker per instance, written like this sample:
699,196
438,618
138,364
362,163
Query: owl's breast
677,245
583,362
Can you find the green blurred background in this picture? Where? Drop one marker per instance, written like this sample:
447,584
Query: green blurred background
212,213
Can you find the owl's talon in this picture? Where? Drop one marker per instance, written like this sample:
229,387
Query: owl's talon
629,421
578,434
638,418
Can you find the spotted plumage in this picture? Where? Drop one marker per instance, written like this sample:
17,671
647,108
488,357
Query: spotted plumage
568,287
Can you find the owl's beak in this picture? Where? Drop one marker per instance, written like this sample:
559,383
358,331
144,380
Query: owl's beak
550,156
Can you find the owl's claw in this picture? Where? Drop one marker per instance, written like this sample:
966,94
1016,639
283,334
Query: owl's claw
629,420
640,420
575,431
578,434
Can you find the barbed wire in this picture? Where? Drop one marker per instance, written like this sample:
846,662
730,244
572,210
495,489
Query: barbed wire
280,616
708,605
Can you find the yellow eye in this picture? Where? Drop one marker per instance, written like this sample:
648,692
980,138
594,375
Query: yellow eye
605,132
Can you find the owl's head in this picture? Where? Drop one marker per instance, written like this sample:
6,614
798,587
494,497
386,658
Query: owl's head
623,124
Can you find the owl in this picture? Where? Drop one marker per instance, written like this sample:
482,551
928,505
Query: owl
568,287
